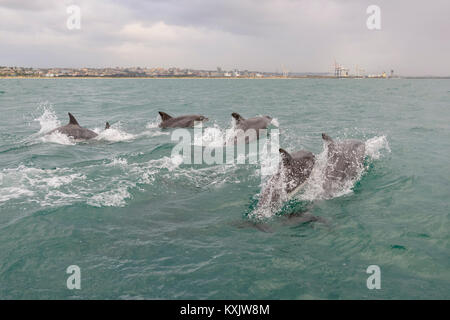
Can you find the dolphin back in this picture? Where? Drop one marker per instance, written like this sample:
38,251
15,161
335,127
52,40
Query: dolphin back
345,160
186,121
74,130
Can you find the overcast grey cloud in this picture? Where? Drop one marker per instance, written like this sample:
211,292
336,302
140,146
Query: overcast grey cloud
304,36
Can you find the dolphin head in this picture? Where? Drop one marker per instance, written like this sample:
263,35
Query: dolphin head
326,138
297,167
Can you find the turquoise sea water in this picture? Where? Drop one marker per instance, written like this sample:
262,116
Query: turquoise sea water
140,225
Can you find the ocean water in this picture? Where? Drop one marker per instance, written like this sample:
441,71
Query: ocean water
142,225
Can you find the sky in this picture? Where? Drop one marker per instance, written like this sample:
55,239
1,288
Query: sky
262,35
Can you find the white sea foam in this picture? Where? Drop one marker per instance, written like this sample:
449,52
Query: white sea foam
10,193
114,134
117,162
154,129
25,182
153,124
153,133
111,198
59,138
211,137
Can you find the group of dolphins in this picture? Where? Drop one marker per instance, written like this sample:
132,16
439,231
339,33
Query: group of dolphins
344,158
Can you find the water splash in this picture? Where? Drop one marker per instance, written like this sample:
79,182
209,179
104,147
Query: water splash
114,134
47,120
273,197
376,146
153,124
59,138
314,188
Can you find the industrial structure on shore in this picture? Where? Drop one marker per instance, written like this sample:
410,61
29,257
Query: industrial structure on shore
342,72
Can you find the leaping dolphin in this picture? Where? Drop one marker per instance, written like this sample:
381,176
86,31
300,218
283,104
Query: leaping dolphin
244,126
344,161
293,171
179,122
74,130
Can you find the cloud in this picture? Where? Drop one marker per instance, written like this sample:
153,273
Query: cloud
256,35
20,5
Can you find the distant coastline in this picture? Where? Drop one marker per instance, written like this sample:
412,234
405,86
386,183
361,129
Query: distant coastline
340,72
167,77
170,73
217,78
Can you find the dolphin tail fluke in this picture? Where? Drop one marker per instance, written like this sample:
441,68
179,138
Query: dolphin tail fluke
107,125
237,116
72,120
164,116
326,137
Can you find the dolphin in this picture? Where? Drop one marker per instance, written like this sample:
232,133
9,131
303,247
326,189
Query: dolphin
293,171
245,125
344,161
179,122
74,130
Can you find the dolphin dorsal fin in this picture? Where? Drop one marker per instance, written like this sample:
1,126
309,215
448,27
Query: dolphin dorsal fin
72,120
237,116
107,126
326,138
164,116
285,155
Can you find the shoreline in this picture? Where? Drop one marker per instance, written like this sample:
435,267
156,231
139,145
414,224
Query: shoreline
219,78
173,77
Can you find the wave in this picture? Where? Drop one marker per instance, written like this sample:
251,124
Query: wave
107,183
